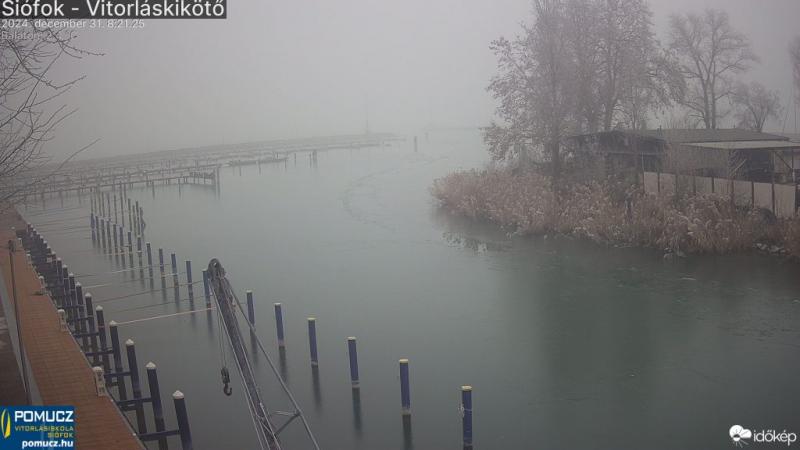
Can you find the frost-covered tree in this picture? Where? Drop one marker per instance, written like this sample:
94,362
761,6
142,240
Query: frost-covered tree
580,67
626,48
755,104
710,52
535,88
30,111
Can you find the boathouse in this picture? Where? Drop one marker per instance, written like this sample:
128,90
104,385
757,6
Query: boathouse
754,168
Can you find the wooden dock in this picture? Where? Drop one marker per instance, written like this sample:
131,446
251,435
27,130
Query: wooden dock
61,372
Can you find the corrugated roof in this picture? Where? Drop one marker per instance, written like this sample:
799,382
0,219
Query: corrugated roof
703,135
746,145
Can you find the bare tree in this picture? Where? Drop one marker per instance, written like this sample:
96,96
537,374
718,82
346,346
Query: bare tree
535,88
755,105
710,51
626,46
582,27
29,112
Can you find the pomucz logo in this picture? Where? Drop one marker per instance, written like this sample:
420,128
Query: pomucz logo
24,427
742,436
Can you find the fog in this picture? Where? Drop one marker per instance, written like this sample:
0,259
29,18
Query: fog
293,69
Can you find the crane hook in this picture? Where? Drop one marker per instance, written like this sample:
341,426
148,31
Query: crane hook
226,379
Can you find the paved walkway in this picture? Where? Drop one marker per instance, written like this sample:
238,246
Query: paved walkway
61,372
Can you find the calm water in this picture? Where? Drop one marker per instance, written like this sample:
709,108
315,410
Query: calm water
567,344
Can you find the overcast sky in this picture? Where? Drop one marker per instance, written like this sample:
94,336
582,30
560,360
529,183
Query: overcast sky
292,68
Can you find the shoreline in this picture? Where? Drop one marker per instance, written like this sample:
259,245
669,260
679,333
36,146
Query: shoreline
523,203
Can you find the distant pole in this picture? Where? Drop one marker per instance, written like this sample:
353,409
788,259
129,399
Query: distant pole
206,290
466,418
189,286
161,261
405,392
312,340
279,324
149,259
353,354
174,265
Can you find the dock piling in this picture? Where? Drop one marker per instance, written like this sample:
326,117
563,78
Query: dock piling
279,324
116,352
183,420
405,392
312,340
189,287
155,396
206,289
466,416
136,389
353,354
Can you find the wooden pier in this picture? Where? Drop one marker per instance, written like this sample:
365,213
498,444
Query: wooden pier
58,366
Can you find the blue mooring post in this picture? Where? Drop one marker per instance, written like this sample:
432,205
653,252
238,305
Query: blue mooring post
135,386
130,242
161,261
206,290
174,265
312,340
466,418
189,286
155,396
149,259
101,329
405,392
279,324
102,233
183,420
353,354
117,354
251,309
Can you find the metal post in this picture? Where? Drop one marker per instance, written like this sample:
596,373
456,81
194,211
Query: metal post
130,242
183,420
114,228
405,392
174,262
351,351
189,286
466,416
155,396
91,325
117,354
121,240
101,330
251,312
149,259
206,290
80,324
108,232
279,324
312,340
135,387
161,261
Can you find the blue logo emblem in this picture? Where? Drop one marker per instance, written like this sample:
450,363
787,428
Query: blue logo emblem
24,427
